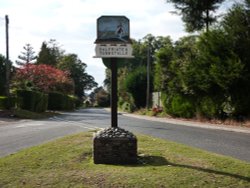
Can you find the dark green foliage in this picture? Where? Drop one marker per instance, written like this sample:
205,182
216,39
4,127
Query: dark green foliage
182,107
209,74
45,56
103,101
50,53
3,102
178,105
78,102
127,107
144,52
69,102
136,84
162,69
77,70
237,29
241,100
7,102
171,69
209,107
196,14
101,97
55,101
223,66
32,100
59,101
126,101
2,75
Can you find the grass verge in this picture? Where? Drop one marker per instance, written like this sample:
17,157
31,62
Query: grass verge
67,162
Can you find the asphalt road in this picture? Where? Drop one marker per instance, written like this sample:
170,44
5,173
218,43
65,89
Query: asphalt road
17,135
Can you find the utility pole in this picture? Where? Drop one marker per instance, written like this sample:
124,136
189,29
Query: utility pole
7,63
148,77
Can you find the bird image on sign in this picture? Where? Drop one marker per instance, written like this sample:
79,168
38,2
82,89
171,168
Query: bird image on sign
119,31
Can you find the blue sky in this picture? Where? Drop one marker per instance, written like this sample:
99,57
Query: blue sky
73,24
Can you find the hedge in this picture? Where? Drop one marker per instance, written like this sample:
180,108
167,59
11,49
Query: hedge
178,105
7,102
59,101
209,107
32,100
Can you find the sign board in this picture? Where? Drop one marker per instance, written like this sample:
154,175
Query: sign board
113,50
113,28
113,37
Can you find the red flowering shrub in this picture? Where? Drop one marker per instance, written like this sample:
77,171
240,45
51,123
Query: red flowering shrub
43,78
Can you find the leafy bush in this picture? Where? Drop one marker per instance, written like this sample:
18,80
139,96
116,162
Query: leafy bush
126,102
136,84
102,98
43,78
182,107
59,101
127,107
2,75
78,102
3,102
32,100
178,105
55,101
208,107
7,102
70,102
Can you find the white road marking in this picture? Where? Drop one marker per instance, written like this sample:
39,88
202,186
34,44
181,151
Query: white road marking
80,124
29,125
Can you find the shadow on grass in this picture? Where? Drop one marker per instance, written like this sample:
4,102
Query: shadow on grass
161,161
151,161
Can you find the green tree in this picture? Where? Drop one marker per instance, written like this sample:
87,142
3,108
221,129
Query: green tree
101,97
45,56
197,14
2,75
140,52
136,84
162,65
107,80
217,68
50,53
77,70
172,61
27,56
236,26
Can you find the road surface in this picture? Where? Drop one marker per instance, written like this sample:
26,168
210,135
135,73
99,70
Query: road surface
21,134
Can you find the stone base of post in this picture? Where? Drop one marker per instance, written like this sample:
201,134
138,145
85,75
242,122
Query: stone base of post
115,145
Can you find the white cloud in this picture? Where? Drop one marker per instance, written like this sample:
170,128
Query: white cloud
73,24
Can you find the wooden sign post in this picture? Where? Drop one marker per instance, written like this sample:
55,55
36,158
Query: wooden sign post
114,145
113,42
114,122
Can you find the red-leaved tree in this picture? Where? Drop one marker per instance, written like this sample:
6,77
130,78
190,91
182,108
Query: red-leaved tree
43,78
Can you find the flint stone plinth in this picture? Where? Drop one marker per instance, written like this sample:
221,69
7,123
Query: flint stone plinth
115,145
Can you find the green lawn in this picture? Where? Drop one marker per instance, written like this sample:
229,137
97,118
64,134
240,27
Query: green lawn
68,162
